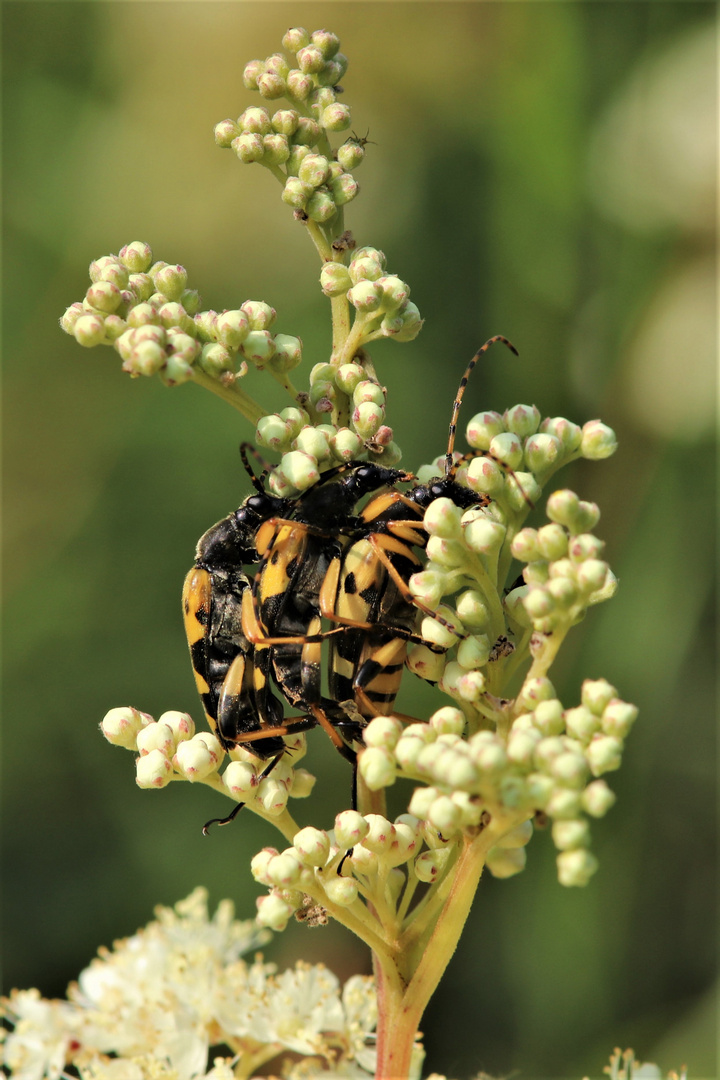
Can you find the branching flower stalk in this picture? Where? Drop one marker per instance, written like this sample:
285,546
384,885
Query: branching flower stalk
501,755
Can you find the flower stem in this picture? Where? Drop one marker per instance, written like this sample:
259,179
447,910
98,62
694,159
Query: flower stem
233,395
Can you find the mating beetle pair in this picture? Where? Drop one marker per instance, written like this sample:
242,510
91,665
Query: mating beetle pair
318,559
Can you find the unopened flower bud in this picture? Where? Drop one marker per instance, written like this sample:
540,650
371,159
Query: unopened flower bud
310,60
383,731
171,281
350,155
604,754
474,651
597,798
271,85
335,280
320,207
377,767
569,434
350,828
283,869
430,865
241,779
121,726
569,769
367,418
507,448
273,912
156,736
592,574
342,891
251,73
89,330
232,327
436,632
346,444
194,759
216,358
571,834
255,121
365,296
618,718
299,469
272,795
367,390
576,867
522,420
314,169
506,862
259,864
258,347
137,257
542,452
104,296
295,38
484,535
153,770
483,428
248,147
336,117
598,441
425,663
225,132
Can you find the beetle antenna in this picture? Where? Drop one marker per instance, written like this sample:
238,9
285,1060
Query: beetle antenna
449,466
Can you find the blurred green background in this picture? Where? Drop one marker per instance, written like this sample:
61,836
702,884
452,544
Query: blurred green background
541,170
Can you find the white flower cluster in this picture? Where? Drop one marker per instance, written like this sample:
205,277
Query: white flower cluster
147,313
157,1003
169,750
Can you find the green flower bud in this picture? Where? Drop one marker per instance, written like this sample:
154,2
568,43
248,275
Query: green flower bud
569,434
473,610
425,663
322,395
142,286
314,169
604,754
585,546
322,372
380,834
596,695
534,691
195,759
310,60
598,441
271,85
320,207
171,281
506,447
350,155
525,545
367,418
438,634
367,390
103,265
232,328
564,804
365,296
283,870
388,454
483,428
296,193
576,867
184,346
521,748
272,796
474,652
506,862
288,353
581,723
295,38
312,442
412,323
89,330
137,257
569,769
299,85
215,358
597,798
174,316
296,419
335,280
366,267
522,420
176,371
542,452
255,121
335,117
342,891
484,536
448,721
346,444
343,188
299,469
272,432
147,358
549,718
248,148
71,316
327,42
225,132
348,376
486,476
278,485
444,815
442,518
591,575
395,291
552,542
377,767
251,73
115,327
430,865
308,131
276,149
312,845
258,347
448,554
618,718
564,591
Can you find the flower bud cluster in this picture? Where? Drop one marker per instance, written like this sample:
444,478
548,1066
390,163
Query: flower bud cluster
310,448
564,574
293,142
169,749
359,846
147,313
549,762
380,299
